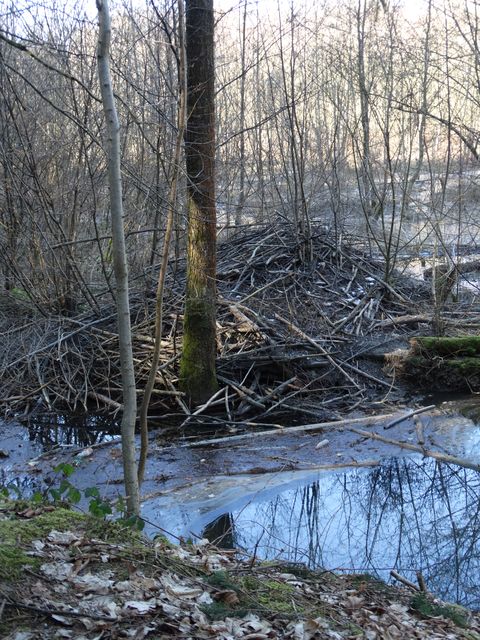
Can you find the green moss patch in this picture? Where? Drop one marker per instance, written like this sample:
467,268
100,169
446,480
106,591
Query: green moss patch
423,605
256,593
443,363
450,346
465,366
17,532
16,535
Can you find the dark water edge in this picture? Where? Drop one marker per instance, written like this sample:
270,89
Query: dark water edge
52,430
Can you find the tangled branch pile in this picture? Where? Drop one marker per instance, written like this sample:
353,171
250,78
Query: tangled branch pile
287,331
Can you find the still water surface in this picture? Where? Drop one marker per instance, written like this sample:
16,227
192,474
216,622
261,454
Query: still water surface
409,514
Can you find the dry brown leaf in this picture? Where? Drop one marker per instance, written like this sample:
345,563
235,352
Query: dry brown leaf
57,570
29,513
353,602
228,596
62,537
175,587
171,610
94,583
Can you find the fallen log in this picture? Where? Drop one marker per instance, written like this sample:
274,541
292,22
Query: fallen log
402,320
436,455
298,429
456,346
451,363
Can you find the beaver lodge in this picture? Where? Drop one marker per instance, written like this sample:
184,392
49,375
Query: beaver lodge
295,339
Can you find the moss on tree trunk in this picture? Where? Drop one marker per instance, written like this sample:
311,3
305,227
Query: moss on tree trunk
197,367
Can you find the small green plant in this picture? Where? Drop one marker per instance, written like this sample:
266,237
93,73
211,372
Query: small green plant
7,490
222,580
66,493
20,294
221,610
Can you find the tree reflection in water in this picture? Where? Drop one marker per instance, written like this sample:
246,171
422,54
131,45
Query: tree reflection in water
19,486
407,514
81,431
221,531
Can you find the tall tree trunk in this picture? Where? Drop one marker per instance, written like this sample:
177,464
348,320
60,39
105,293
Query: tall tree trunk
119,260
197,367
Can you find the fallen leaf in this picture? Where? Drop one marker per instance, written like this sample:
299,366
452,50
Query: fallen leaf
139,606
57,570
85,453
64,633
143,632
62,537
354,602
29,513
96,583
170,609
176,588
38,545
101,604
314,625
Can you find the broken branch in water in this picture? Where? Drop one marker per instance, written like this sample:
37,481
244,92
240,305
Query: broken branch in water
409,414
441,457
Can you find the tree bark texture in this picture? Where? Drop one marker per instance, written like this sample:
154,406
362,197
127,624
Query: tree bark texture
197,369
119,259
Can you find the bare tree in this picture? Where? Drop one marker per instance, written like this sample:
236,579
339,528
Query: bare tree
120,260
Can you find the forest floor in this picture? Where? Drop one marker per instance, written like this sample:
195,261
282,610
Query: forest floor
66,575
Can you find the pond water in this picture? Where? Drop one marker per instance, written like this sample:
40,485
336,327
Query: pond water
407,513
22,443
53,430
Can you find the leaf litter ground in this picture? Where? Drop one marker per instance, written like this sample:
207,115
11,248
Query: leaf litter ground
71,576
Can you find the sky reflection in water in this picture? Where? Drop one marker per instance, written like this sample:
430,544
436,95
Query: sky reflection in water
408,514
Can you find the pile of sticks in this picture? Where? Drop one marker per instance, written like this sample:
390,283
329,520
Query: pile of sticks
289,338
